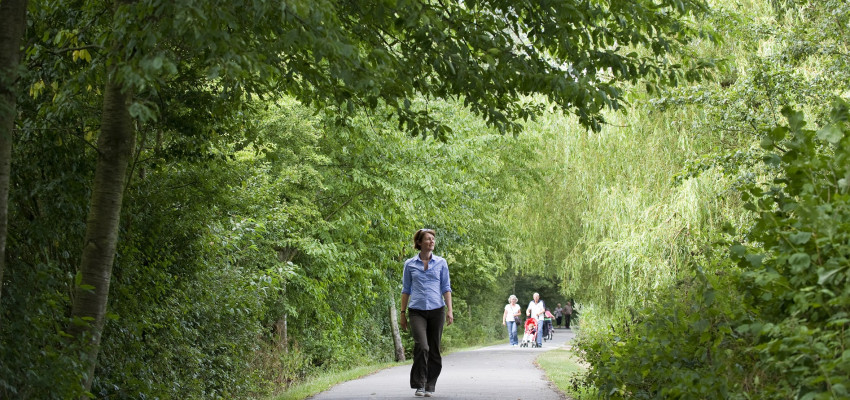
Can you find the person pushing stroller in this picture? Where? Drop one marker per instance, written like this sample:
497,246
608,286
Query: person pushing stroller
537,310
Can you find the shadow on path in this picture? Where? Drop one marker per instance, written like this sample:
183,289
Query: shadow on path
495,372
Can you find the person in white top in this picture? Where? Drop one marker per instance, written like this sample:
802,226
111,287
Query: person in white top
510,318
537,310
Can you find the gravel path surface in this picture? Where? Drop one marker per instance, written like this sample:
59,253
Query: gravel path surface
495,372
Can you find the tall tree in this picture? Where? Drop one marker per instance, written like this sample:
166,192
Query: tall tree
115,146
12,24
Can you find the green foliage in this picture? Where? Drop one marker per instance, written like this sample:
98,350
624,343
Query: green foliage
796,269
297,220
682,346
758,307
606,220
272,183
775,325
48,188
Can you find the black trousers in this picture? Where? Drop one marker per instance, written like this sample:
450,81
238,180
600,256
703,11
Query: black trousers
568,320
426,327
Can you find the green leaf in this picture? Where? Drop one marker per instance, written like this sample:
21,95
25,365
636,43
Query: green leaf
709,297
795,118
778,133
831,134
800,237
800,261
142,112
738,250
823,276
755,259
701,325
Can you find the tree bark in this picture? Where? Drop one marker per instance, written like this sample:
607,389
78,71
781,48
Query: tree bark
280,329
399,347
284,255
13,14
115,146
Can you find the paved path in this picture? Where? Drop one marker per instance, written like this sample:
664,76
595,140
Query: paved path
495,372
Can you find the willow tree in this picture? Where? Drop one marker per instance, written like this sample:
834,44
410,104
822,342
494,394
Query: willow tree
494,55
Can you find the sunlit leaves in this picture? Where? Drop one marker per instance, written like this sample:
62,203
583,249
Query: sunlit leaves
831,134
222,194
803,228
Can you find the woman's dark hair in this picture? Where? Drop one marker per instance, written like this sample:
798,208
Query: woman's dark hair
417,237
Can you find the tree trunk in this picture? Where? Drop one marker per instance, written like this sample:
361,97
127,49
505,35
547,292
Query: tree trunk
13,14
284,255
115,146
280,329
399,347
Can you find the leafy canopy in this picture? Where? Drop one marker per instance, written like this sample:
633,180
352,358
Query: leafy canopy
493,55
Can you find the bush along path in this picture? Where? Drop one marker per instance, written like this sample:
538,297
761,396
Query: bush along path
494,372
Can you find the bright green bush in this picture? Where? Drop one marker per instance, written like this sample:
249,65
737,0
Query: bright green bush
775,326
679,346
796,261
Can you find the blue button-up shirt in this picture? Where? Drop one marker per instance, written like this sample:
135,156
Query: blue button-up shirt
426,288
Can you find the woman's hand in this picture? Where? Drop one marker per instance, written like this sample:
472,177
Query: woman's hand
504,323
403,321
450,317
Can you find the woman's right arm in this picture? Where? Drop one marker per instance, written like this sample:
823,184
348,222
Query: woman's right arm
406,282
504,316
403,320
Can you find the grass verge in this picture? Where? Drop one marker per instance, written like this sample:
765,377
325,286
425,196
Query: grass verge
563,369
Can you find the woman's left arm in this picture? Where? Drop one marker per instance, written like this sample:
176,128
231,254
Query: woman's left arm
446,288
450,318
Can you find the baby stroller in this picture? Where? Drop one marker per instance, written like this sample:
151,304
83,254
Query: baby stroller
530,336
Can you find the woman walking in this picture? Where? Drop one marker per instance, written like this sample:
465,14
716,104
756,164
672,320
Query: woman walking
426,294
510,318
